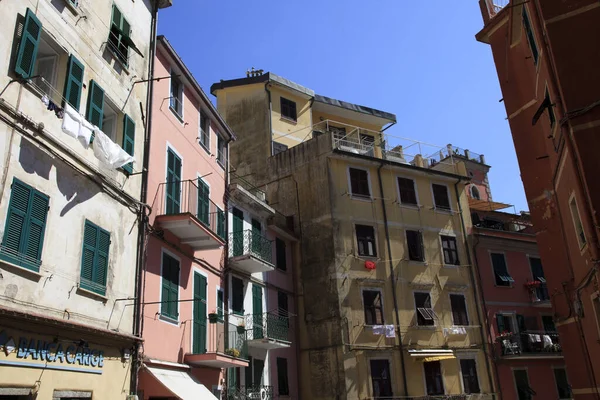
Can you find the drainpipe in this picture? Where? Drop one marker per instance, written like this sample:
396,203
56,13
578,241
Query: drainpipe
485,310
270,116
140,261
392,280
472,278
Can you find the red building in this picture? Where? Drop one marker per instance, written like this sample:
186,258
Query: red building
546,56
522,337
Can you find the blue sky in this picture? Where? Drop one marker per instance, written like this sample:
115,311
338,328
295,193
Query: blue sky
416,59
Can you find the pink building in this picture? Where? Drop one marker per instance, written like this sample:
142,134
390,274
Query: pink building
522,337
187,342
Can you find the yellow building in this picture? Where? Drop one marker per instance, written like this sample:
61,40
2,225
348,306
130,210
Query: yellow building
386,296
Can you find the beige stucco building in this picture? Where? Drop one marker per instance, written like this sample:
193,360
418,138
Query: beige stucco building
386,296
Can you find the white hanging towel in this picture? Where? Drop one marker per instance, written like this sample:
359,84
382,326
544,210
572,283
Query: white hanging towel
378,329
108,151
390,332
85,132
71,121
547,341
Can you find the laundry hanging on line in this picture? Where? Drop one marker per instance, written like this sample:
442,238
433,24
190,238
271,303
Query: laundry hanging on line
108,151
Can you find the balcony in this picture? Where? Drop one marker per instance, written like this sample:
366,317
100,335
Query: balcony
225,348
253,199
259,392
538,293
495,6
529,344
193,218
267,331
250,252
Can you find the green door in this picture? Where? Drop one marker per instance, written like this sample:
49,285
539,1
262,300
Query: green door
232,381
257,316
173,183
238,232
203,196
256,236
199,341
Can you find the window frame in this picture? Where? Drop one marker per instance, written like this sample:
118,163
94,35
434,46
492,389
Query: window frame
457,255
174,76
390,375
358,252
577,222
422,245
530,36
222,151
233,310
417,312
122,35
515,380
358,196
204,125
436,207
289,107
563,368
462,380
373,309
285,378
466,309
165,317
441,377
474,191
510,281
415,191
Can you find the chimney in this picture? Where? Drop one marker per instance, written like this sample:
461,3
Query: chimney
449,148
467,154
481,159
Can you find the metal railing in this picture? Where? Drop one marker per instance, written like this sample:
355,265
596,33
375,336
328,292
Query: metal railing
185,197
267,326
248,186
222,338
259,392
529,342
495,6
250,242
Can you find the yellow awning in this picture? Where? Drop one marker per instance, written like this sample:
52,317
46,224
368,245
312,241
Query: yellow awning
438,358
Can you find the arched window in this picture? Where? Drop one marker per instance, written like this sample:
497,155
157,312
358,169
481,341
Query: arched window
475,192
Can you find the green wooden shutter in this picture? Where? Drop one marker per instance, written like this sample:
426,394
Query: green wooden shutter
221,224
94,259
500,323
128,140
170,287
257,317
174,289
38,210
238,232
199,341
28,47
203,201
248,373
16,221
101,270
73,82
166,286
173,183
95,105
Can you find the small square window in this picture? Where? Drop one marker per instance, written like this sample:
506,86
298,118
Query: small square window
288,109
501,274
450,250
440,197
373,306
359,182
425,314
365,238
416,252
408,193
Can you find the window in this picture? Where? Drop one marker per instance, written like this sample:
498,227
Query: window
205,131
282,304
450,250
95,105
173,195
425,314
237,295
221,151
74,82
505,323
25,226
288,109
433,378
365,238
94,259
475,192
459,310
524,391
220,303
381,378
221,224
128,140
441,198
28,45
338,133
176,95
119,39
203,202
548,323
373,305
501,274
416,252
468,369
170,287
577,221
70,395
537,273
110,120
551,115
530,37
359,182
280,255
282,377
562,383
408,194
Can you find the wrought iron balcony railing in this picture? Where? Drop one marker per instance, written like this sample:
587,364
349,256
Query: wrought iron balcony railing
267,326
222,338
190,196
259,194
252,243
529,342
259,392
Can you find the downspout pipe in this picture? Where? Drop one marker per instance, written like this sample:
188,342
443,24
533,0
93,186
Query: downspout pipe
143,219
270,116
392,280
473,283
